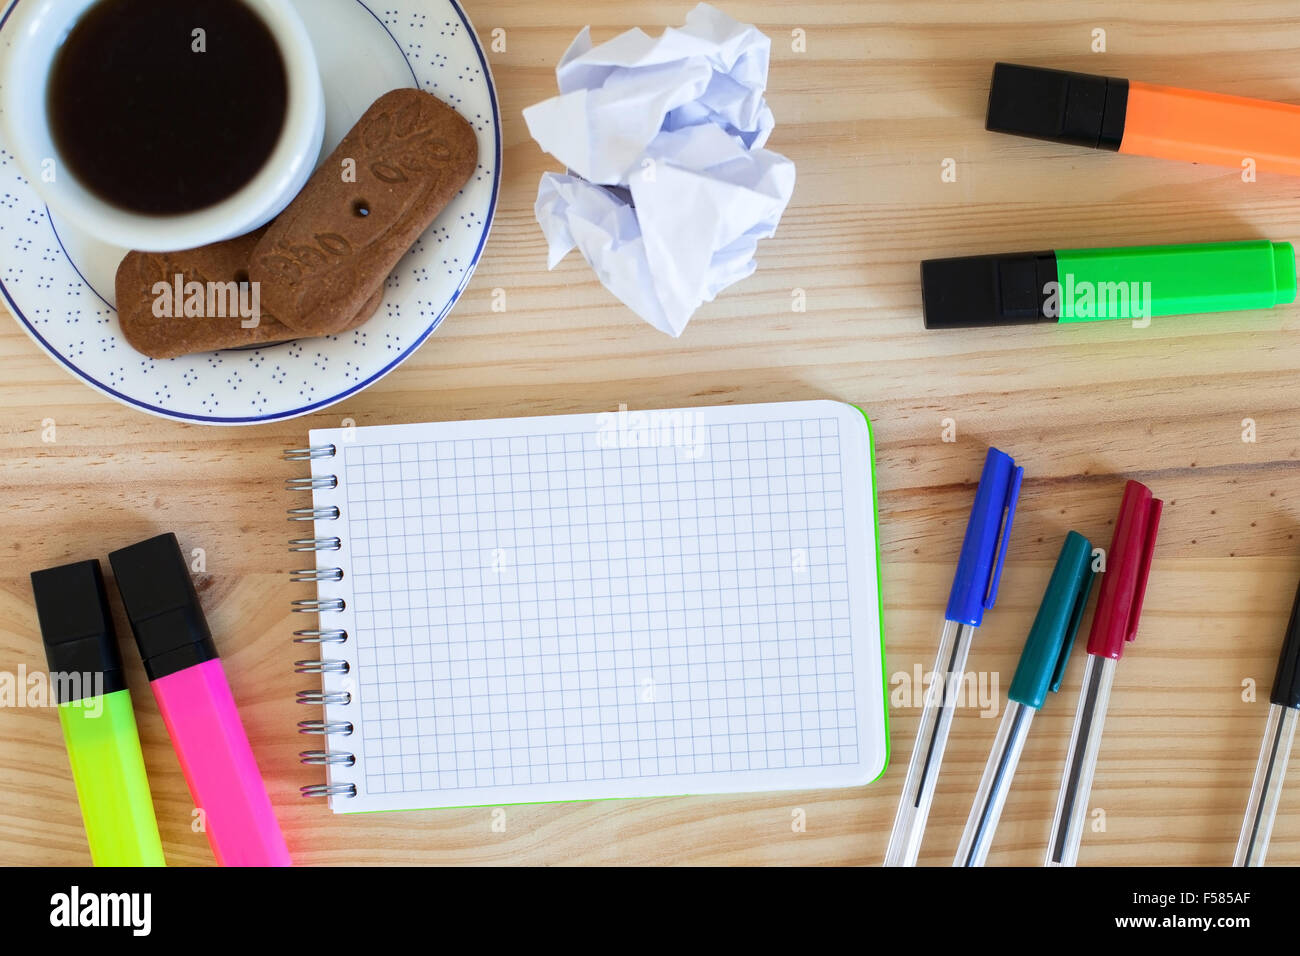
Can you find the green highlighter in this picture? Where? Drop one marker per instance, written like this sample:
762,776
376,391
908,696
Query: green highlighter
1041,668
94,705
1084,285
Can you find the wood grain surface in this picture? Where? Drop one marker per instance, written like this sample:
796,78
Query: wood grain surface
885,92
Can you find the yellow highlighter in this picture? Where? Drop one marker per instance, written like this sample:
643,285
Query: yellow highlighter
94,704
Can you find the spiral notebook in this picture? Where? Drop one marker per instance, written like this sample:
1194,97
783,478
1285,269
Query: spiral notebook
573,607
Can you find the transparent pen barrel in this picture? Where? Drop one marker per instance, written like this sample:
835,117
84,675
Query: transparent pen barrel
1081,762
994,785
1266,791
931,739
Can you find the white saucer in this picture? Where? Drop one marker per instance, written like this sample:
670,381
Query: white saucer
58,282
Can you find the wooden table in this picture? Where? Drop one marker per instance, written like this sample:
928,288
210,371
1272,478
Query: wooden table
884,93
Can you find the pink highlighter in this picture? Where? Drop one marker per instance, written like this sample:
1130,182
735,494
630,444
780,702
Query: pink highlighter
197,706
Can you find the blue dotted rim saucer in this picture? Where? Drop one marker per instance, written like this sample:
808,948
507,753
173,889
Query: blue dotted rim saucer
65,314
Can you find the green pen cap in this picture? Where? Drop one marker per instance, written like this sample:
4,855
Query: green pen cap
1047,648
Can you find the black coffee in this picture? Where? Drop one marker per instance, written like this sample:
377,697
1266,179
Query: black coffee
167,106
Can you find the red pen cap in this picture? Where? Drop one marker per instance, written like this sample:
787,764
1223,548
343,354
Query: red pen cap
1119,603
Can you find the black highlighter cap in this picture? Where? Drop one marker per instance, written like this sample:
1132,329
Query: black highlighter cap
974,291
77,630
164,609
1076,108
1286,685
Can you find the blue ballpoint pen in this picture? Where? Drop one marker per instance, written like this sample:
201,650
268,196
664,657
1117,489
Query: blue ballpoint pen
974,590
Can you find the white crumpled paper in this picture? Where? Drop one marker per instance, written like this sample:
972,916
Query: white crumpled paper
668,188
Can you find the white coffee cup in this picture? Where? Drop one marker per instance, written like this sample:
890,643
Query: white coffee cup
38,32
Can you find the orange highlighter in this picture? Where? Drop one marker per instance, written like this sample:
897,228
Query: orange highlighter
1125,116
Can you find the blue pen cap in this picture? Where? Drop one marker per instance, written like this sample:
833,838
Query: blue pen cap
979,569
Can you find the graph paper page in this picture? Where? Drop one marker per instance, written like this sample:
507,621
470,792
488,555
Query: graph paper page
608,605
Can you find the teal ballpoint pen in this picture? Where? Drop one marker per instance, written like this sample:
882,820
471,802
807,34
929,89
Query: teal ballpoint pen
1041,668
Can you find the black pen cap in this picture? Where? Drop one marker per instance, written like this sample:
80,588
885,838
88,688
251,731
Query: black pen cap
163,608
77,630
974,291
1076,108
1286,685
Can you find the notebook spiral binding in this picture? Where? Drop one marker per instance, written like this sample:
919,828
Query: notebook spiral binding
320,635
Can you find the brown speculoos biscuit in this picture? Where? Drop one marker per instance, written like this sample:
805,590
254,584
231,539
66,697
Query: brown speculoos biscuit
174,334
329,252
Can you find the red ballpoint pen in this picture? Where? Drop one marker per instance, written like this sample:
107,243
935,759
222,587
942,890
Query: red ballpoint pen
1115,623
